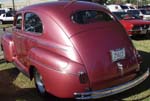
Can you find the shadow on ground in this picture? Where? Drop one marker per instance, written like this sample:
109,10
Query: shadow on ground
9,92
140,37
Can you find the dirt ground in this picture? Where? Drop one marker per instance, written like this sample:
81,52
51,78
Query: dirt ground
10,90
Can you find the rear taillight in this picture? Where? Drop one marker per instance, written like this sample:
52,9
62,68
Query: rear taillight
83,77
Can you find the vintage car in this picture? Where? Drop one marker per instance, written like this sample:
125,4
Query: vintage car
133,25
72,50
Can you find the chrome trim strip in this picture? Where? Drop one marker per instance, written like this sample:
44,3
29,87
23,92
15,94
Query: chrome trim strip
111,91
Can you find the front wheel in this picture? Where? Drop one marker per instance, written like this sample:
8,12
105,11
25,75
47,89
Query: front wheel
39,83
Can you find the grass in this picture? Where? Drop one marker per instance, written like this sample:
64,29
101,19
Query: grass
5,26
142,45
14,86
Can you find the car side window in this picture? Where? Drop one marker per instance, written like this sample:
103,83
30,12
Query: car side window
19,21
9,15
33,23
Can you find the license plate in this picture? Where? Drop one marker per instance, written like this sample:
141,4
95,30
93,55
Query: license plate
143,31
118,54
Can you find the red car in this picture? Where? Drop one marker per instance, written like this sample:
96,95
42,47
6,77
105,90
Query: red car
133,24
72,50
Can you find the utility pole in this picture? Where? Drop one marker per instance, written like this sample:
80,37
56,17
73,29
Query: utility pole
13,2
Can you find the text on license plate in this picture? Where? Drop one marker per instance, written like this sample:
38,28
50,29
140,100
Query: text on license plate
118,54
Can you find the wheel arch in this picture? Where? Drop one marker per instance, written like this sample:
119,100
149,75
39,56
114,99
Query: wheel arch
31,71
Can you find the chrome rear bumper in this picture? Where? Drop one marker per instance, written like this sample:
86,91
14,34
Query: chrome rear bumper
113,90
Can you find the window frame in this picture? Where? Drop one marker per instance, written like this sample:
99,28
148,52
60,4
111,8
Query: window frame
15,24
33,33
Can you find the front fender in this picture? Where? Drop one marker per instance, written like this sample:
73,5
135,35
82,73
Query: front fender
8,47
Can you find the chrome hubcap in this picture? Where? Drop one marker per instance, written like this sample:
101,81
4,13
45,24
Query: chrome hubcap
39,82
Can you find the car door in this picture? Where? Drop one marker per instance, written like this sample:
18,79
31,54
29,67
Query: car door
32,29
17,37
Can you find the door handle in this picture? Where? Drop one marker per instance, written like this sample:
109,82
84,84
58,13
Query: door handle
19,37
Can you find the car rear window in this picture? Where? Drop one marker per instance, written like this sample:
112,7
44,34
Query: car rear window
90,16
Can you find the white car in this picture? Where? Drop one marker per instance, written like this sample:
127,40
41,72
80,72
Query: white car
145,14
6,17
116,7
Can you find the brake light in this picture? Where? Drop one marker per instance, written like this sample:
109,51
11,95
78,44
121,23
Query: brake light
83,77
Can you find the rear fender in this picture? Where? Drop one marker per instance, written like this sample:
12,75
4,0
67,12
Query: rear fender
52,61
58,72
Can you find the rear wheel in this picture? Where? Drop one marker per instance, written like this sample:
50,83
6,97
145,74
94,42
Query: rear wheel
39,83
41,88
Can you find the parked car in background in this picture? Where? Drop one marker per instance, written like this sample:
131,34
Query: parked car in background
114,7
145,14
72,50
117,7
6,18
135,12
4,10
125,7
133,24
146,7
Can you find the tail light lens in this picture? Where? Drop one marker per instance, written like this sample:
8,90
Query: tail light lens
83,77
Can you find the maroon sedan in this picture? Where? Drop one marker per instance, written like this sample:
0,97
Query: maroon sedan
73,50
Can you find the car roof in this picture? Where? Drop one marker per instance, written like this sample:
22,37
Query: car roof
62,11
61,5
